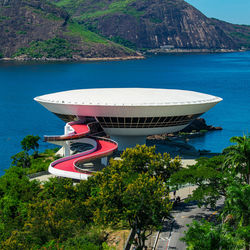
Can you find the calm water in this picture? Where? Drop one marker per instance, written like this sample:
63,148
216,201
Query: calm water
223,75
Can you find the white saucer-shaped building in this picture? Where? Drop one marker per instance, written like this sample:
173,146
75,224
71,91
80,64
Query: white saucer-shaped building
128,115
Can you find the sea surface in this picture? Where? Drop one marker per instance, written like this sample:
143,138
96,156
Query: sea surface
224,75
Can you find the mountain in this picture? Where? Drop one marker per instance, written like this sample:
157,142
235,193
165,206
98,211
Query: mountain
239,33
37,29
149,24
85,29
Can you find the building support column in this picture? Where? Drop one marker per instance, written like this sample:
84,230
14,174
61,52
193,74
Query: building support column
104,161
66,147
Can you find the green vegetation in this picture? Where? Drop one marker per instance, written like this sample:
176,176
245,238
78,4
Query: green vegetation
221,176
1,55
62,3
86,35
123,42
114,7
36,162
132,190
44,14
89,37
100,8
155,20
52,48
2,18
61,215
30,142
129,193
21,32
243,36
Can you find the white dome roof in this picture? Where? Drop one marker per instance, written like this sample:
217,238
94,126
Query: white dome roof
128,97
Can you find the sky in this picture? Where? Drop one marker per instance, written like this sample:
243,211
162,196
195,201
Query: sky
233,11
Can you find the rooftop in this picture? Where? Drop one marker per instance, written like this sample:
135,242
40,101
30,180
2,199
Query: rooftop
128,97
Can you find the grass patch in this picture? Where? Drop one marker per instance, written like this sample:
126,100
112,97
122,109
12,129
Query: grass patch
21,32
63,3
76,29
115,7
51,48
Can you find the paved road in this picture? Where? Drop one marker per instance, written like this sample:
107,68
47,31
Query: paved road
183,214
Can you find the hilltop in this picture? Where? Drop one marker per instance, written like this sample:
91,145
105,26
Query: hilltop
109,29
32,29
149,24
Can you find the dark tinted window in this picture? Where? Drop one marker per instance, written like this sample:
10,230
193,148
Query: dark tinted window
145,122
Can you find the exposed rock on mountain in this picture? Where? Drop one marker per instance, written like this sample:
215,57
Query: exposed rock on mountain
239,33
151,23
38,29
80,29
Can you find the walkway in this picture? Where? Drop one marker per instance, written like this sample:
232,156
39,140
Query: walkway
69,166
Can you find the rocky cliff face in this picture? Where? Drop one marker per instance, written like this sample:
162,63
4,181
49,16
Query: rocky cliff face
165,23
36,28
77,29
240,34
151,23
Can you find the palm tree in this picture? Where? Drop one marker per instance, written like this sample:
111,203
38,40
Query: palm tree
238,157
236,211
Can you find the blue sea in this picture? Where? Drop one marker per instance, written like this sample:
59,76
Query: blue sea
224,75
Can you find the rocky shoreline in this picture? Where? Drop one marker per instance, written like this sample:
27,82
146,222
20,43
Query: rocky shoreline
197,127
73,59
77,58
173,51
177,143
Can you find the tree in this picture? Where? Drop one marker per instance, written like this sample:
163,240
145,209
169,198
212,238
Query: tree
238,157
206,236
16,191
146,204
21,159
236,212
130,190
31,142
142,201
210,178
228,176
143,159
232,227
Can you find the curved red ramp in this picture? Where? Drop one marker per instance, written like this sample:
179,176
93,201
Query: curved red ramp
67,166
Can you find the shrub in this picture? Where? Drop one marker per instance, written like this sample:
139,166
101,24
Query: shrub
51,48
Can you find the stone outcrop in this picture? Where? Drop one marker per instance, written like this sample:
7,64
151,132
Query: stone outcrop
200,124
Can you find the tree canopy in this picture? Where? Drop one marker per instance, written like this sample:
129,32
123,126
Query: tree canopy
134,190
30,142
227,177
130,192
